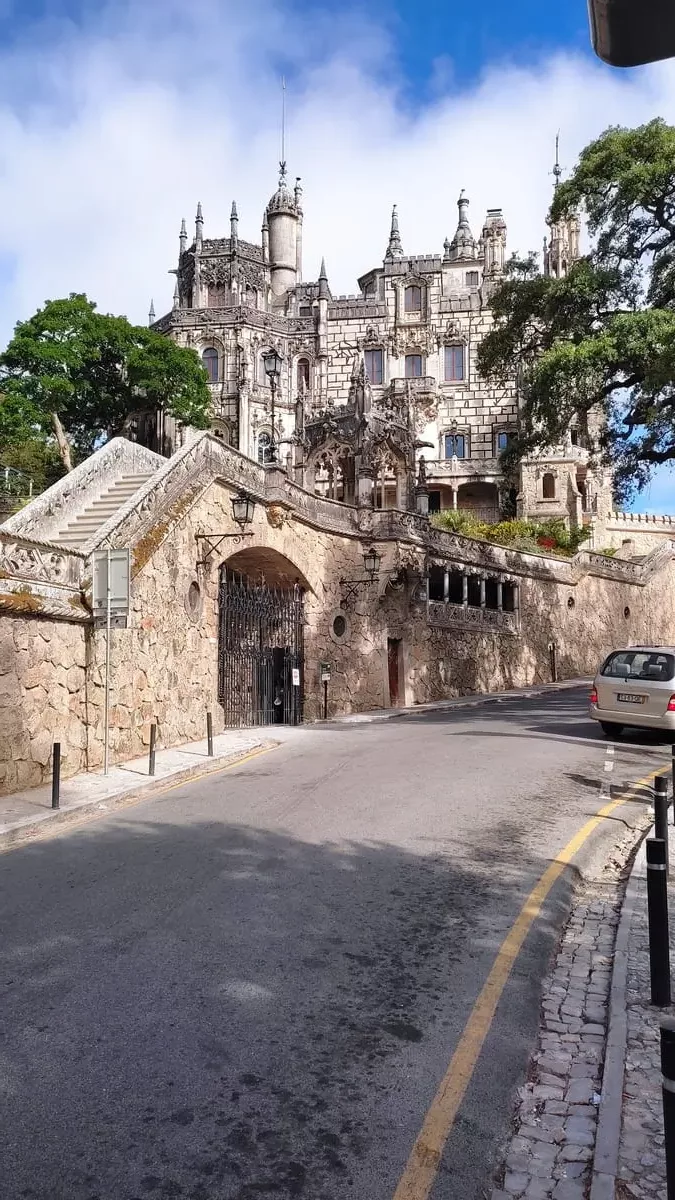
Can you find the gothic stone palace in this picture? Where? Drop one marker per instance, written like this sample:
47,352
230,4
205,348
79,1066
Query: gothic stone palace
379,402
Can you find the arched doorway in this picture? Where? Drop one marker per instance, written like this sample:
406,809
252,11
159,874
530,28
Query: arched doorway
261,640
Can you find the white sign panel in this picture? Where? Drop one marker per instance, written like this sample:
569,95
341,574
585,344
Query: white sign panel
296,676
119,581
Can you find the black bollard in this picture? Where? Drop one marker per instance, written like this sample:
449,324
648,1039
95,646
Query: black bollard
657,909
673,779
209,733
668,1093
661,811
56,775
151,757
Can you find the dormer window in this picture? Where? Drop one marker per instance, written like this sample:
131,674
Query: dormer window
210,363
412,301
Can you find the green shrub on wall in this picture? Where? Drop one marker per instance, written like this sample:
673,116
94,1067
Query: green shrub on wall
551,537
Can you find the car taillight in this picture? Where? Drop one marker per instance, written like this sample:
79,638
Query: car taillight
671,704
594,696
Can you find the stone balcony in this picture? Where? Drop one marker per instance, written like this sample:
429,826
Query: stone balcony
460,469
420,385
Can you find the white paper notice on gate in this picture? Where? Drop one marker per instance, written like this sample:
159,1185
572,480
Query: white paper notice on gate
296,676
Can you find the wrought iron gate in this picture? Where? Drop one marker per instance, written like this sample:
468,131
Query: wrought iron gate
260,667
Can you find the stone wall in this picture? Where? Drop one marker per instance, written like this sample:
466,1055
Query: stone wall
164,666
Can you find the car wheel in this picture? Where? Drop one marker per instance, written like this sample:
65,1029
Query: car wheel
610,729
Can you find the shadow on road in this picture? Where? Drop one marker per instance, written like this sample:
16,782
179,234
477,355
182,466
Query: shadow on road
205,1010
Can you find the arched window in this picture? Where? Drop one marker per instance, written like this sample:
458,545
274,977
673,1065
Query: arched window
412,301
548,486
210,363
264,448
303,375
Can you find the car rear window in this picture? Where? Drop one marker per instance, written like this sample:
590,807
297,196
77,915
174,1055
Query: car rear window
641,665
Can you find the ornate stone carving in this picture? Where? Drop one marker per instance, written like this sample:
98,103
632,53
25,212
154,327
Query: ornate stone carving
276,516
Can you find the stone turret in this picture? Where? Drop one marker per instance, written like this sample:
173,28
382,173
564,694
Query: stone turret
493,241
463,246
562,249
284,220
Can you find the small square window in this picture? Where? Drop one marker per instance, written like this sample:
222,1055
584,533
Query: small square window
472,279
413,366
454,363
504,439
374,362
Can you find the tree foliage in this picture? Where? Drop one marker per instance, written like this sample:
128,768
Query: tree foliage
77,376
598,346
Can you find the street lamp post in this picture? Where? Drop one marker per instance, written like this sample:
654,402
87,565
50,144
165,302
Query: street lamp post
273,363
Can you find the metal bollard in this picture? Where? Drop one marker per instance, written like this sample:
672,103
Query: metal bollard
668,1093
151,756
661,811
673,780
209,733
56,775
657,910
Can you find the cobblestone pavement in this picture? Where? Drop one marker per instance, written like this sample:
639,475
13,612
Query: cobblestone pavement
550,1151
642,1164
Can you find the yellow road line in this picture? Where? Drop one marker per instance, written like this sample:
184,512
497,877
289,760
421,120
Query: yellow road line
425,1156
127,799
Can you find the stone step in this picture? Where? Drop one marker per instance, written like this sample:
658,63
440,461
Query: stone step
99,512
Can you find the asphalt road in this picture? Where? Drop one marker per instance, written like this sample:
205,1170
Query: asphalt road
251,985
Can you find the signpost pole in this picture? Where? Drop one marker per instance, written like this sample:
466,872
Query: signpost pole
106,702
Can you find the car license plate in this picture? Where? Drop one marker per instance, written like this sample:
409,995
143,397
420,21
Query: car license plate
626,698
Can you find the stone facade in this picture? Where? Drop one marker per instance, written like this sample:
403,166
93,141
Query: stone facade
442,616
411,335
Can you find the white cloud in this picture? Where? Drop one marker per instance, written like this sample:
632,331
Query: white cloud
111,130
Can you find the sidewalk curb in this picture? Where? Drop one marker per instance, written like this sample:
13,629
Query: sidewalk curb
526,693
606,1153
30,828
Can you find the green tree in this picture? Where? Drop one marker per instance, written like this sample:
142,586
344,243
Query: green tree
77,376
598,346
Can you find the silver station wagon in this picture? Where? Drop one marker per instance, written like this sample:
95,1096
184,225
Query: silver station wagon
635,687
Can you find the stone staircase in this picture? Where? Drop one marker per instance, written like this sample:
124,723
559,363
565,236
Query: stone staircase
79,531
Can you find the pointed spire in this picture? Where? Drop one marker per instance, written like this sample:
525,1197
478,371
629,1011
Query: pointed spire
298,194
234,222
557,169
199,225
324,293
151,314
183,236
394,249
176,295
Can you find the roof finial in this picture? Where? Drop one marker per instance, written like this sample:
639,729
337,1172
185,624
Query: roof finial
151,314
183,236
282,163
394,249
323,282
234,222
557,170
176,295
199,224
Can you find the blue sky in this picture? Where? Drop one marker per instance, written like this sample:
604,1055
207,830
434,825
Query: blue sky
115,118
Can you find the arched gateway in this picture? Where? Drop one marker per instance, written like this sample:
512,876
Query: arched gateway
261,630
